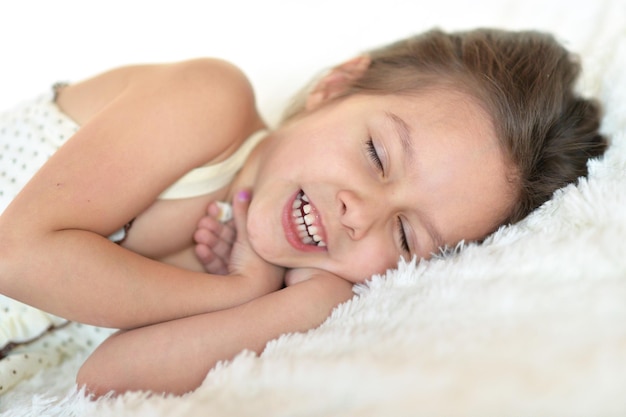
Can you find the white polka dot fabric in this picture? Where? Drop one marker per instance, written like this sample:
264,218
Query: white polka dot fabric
31,339
29,134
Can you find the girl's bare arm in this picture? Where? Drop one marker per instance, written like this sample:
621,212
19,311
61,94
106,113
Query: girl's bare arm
174,357
164,121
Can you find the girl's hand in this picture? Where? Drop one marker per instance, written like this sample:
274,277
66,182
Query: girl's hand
214,239
244,260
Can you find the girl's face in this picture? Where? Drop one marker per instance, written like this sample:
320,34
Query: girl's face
357,183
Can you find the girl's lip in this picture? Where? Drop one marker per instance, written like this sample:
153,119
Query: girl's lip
291,231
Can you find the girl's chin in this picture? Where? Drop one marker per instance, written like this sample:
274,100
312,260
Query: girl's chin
268,250
284,256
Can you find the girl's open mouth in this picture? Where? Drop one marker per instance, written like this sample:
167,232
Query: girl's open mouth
303,224
306,221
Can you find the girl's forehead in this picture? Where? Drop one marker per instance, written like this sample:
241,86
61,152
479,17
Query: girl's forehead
458,171
442,110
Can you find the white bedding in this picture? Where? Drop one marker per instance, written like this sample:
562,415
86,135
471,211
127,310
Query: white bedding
533,322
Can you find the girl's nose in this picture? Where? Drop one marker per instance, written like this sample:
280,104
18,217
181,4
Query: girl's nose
358,214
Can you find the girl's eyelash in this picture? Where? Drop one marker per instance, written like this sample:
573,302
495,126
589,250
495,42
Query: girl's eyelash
404,242
373,154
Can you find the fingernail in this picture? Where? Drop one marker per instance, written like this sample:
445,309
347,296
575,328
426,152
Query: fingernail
243,195
225,212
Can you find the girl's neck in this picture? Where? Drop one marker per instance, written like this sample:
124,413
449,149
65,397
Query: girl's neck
248,172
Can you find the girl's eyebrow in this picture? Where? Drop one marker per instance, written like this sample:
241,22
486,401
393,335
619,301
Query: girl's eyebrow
404,133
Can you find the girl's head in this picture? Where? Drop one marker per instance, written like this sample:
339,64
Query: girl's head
432,140
525,82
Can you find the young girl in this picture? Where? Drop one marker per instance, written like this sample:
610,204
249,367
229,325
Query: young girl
398,152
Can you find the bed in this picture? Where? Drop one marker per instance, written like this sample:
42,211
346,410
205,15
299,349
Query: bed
531,322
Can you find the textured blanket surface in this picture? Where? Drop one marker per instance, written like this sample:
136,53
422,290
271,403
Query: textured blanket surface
532,322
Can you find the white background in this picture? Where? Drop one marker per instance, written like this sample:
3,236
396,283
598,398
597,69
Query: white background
279,44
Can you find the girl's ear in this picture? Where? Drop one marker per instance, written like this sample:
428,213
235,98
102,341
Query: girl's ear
337,81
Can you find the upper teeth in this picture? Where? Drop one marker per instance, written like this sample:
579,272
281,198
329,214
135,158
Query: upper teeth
309,234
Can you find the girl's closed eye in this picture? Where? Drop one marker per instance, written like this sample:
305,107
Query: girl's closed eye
374,156
404,242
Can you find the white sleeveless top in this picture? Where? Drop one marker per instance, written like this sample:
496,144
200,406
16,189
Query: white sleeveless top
210,178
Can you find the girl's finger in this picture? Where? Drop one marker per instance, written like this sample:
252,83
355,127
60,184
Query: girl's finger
241,202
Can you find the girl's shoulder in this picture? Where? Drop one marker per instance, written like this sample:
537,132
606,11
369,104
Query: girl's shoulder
207,70
207,78
196,83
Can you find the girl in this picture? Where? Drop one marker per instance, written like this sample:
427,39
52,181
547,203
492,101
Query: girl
399,152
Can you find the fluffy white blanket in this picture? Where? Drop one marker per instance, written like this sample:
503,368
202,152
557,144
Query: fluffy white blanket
532,322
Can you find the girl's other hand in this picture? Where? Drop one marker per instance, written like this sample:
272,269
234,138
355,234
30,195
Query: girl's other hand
244,260
214,239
